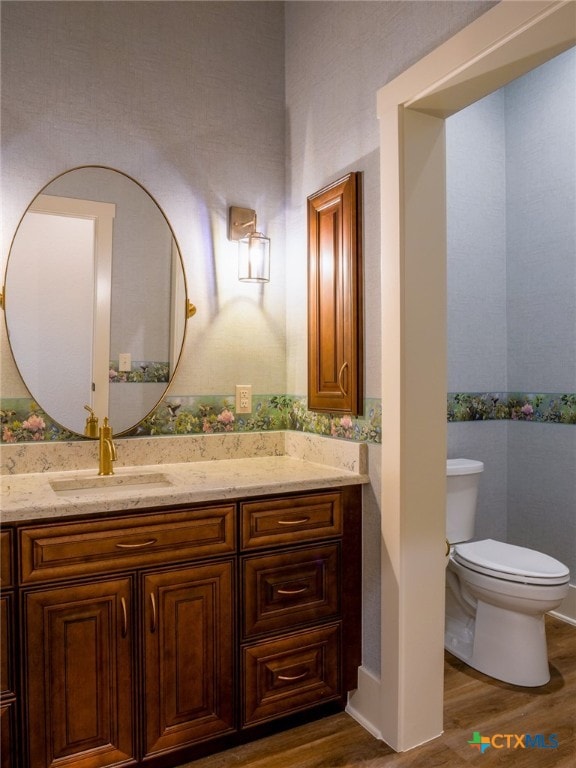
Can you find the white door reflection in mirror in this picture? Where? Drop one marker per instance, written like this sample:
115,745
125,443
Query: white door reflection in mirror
134,322
65,279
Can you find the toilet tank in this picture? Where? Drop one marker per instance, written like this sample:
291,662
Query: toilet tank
462,478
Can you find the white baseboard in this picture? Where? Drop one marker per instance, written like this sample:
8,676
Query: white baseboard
567,609
364,703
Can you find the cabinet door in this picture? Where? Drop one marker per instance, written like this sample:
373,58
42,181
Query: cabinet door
188,658
8,758
335,327
6,656
79,678
8,751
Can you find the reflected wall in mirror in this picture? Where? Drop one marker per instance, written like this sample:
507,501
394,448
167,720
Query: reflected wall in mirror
95,299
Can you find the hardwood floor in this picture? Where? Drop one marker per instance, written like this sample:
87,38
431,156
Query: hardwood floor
473,703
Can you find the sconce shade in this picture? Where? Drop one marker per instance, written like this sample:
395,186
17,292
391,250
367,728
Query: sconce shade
254,258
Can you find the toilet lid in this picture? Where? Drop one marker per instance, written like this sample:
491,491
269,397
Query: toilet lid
463,467
510,562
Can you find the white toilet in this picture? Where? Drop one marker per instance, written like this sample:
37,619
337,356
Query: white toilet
496,593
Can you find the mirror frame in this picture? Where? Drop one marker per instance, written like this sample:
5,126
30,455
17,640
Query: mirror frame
189,309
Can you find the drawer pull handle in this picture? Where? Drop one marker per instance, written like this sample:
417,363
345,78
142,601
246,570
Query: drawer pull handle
298,521
137,545
153,617
296,591
340,377
124,617
290,678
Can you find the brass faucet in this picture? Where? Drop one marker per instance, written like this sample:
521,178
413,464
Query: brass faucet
91,428
107,452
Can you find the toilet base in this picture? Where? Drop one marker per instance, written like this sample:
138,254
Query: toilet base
510,646
507,646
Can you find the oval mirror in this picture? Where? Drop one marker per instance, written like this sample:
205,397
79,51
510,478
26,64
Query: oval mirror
95,299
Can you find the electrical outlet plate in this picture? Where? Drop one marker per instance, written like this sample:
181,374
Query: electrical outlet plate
243,398
124,361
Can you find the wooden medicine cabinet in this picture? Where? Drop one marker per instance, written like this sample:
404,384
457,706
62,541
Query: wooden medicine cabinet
335,325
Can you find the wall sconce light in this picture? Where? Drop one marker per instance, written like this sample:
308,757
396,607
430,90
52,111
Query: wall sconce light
253,247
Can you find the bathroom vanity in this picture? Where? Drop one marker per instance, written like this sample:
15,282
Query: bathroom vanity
150,622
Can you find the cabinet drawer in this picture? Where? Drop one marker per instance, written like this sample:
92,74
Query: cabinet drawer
291,520
70,549
290,588
291,673
5,558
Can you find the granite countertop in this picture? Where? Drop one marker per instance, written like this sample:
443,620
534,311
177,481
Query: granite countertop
54,495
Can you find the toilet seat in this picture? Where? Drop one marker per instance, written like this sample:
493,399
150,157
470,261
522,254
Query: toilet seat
509,562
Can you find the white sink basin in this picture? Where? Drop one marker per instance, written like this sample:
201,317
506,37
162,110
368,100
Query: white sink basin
109,484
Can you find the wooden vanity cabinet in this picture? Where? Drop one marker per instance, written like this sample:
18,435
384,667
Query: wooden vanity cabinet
155,638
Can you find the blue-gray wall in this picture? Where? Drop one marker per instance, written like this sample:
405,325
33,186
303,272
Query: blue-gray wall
511,176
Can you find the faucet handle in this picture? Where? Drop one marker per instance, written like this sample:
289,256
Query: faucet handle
91,428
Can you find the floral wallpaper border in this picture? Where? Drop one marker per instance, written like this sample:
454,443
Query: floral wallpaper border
547,408
22,420
141,372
